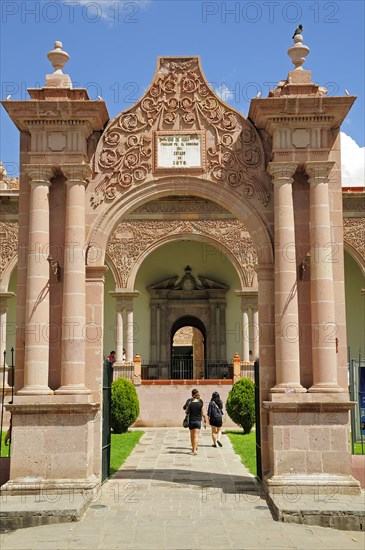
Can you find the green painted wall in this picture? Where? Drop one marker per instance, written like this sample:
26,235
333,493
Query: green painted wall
355,307
167,261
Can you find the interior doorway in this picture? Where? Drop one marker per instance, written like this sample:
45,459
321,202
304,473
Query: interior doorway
188,339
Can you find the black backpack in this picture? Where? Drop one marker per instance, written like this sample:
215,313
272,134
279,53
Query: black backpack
215,412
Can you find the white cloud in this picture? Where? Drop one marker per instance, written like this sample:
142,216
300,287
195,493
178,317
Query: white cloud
352,162
223,92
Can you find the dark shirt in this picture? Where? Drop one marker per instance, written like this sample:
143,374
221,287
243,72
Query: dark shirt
195,410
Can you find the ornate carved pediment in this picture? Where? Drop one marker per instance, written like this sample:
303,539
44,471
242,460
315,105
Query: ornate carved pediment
188,282
180,104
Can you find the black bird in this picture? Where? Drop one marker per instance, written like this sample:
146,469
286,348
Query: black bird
298,30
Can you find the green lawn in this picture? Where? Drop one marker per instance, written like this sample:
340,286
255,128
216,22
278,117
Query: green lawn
4,449
358,449
121,447
245,447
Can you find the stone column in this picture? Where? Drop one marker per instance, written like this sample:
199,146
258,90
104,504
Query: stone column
36,357
120,335
130,334
255,332
213,331
153,332
74,283
222,332
286,299
321,275
245,334
124,308
4,297
163,333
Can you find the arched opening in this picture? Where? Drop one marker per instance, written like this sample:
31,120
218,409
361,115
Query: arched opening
188,340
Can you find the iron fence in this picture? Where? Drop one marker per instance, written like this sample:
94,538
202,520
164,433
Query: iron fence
357,393
218,370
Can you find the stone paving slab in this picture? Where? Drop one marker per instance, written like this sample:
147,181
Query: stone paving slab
208,501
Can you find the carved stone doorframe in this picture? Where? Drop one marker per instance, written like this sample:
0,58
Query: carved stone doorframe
175,298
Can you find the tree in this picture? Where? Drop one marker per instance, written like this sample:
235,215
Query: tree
240,404
124,405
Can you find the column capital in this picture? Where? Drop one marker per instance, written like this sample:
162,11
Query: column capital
42,173
76,172
282,172
318,172
4,297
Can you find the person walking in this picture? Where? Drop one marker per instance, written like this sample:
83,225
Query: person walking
195,406
215,416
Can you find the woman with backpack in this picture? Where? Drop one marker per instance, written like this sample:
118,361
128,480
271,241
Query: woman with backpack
215,415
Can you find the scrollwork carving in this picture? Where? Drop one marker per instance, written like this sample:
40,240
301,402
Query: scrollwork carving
8,243
354,234
179,99
131,239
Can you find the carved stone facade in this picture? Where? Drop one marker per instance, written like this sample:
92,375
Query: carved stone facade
132,240
354,235
180,98
102,191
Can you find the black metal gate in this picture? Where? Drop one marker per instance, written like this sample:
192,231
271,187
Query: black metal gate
106,431
258,420
357,394
182,368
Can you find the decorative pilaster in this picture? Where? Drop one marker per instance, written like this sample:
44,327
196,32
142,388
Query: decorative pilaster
36,357
213,330
74,285
286,300
321,275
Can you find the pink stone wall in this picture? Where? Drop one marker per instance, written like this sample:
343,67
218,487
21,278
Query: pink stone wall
162,405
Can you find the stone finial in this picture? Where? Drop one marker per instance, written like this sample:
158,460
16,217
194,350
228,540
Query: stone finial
299,51
58,58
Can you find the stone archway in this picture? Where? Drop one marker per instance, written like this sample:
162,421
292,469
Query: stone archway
194,360
180,139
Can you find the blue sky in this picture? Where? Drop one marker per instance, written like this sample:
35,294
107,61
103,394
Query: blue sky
114,44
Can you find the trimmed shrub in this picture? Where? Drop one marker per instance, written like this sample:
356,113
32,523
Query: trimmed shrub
124,405
240,404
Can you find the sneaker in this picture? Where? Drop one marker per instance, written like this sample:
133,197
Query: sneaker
214,445
219,443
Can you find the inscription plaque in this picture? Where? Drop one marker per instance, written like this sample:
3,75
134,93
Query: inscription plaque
182,151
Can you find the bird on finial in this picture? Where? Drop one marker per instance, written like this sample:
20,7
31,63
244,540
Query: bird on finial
298,30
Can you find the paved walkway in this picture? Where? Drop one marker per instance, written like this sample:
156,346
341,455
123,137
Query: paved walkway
166,498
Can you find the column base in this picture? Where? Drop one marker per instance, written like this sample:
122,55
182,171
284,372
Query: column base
35,390
311,484
326,388
88,487
71,390
288,388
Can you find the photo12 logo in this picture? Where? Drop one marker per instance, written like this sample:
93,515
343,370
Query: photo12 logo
269,12
70,11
